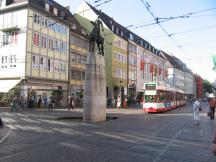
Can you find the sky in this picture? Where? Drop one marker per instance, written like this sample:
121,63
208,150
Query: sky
190,36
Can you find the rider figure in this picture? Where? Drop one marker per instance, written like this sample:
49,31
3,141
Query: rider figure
96,37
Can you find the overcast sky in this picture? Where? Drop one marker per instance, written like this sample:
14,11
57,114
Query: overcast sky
191,34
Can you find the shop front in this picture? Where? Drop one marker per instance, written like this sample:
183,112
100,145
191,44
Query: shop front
29,92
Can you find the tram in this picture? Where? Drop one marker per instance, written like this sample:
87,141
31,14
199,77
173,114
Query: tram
162,97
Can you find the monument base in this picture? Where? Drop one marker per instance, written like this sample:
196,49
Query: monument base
94,106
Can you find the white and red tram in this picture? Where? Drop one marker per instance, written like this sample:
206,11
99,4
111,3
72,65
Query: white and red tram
159,98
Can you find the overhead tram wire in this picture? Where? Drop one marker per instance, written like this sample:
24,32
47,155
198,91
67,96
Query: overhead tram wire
157,21
183,32
161,20
146,4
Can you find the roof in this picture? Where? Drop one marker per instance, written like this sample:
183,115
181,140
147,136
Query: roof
64,15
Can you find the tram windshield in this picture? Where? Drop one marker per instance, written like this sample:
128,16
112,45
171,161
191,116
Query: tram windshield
150,98
159,97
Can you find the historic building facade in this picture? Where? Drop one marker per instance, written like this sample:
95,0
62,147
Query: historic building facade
38,33
79,46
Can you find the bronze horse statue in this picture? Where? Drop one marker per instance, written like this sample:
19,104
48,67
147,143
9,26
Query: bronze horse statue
95,37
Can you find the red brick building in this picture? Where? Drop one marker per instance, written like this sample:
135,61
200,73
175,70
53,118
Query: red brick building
199,86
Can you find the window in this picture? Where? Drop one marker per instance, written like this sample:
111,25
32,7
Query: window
48,65
13,60
36,39
43,63
47,6
73,40
45,22
4,61
14,37
37,18
55,11
117,30
120,73
50,44
113,28
131,36
122,33
35,62
56,66
43,41
63,69
74,26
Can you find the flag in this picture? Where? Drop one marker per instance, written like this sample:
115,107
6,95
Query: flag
214,61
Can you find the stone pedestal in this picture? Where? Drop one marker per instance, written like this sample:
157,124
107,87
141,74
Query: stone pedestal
94,106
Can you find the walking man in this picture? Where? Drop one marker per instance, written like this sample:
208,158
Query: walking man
51,102
212,104
71,103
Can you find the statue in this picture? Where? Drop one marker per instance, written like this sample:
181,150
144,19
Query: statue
96,37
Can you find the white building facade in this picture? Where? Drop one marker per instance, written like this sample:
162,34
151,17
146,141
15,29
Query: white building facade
34,50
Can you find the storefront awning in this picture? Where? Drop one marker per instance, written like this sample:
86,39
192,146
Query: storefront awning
6,85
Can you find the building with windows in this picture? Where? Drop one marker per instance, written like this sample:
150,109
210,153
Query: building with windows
79,46
180,76
34,49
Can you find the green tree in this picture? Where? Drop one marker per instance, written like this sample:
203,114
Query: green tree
214,61
207,86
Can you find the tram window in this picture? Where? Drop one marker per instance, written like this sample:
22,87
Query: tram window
160,96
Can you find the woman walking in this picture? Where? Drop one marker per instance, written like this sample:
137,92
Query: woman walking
118,104
196,108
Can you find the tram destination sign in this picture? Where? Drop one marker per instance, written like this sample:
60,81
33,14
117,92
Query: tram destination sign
151,86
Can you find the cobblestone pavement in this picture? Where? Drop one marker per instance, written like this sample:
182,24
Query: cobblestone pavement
41,136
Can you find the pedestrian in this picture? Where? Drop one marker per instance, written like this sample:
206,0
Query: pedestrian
51,102
39,101
45,101
196,109
214,144
212,105
13,105
1,123
71,103
118,104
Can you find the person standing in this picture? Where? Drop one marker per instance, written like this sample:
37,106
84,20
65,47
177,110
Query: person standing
196,109
71,103
51,102
1,123
212,105
118,104
39,101
45,101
